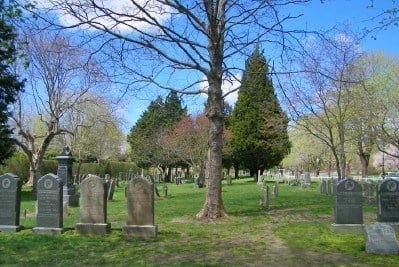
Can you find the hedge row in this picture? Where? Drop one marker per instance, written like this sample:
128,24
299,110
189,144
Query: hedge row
19,165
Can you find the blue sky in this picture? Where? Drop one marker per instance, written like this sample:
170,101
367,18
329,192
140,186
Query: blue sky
316,16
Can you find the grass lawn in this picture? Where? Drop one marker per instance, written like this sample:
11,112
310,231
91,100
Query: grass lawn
295,231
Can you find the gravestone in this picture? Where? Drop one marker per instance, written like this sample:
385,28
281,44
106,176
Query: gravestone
49,205
140,209
329,187
368,195
305,180
266,197
275,190
111,189
324,187
380,238
334,186
93,207
348,213
10,203
229,180
64,173
388,202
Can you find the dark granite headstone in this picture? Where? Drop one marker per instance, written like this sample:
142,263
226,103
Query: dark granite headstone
10,203
348,212
348,203
388,201
49,219
140,209
380,238
64,173
93,207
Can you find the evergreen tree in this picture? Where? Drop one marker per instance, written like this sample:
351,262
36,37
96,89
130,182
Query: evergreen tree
9,83
258,125
145,137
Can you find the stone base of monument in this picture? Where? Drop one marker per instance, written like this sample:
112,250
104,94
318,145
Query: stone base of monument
11,228
347,228
139,231
93,228
48,231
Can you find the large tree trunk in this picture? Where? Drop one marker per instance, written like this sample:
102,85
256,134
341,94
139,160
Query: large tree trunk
213,206
34,165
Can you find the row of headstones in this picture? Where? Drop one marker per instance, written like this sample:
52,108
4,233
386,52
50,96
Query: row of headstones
93,206
348,214
328,187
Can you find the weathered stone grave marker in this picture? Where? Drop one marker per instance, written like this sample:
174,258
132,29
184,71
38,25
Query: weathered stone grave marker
93,207
266,197
140,209
49,218
388,202
10,203
64,173
275,189
111,189
380,238
329,187
348,213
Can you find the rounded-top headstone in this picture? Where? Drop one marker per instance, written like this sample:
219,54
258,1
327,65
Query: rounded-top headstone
388,201
10,200
348,202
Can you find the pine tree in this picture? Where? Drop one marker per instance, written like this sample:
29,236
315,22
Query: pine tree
9,83
258,125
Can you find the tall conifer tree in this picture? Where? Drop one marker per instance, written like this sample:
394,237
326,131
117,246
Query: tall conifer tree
258,124
9,83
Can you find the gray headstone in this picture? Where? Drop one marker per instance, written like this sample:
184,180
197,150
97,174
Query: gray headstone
49,219
64,173
266,197
140,209
348,203
10,202
111,189
93,207
329,187
380,238
388,201
275,190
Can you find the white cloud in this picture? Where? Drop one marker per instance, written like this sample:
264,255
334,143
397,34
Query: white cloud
125,15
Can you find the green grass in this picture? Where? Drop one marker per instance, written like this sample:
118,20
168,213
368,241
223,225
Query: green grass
294,231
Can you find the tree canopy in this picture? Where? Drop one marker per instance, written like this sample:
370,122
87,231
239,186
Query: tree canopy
10,84
258,124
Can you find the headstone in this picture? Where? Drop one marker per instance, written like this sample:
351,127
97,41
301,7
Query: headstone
388,202
129,174
380,238
64,173
140,209
334,186
229,180
93,207
10,203
111,189
305,180
348,213
165,189
275,190
329,187
266,197
49,219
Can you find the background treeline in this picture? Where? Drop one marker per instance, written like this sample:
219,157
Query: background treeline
19,165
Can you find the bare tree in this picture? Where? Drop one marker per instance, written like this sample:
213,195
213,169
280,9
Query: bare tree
58,78
170,44
321,97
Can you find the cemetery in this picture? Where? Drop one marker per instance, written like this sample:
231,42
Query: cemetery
275,222
199,133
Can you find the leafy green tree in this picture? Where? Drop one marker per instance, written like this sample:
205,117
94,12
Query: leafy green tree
9,82
146,136
258,125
